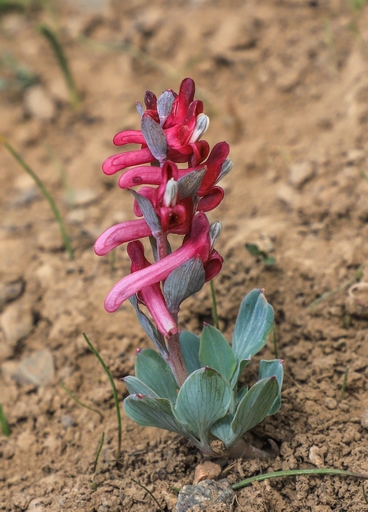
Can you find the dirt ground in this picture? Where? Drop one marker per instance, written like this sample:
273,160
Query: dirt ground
286,84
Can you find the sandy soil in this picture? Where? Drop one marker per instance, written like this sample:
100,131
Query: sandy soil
286,84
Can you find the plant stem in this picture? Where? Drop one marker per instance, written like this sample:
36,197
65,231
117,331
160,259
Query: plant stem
214,305
296,472
114,391
79,402
175,359
45,193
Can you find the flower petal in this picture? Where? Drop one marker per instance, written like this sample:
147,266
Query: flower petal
129,137
195,244
120,161
119,234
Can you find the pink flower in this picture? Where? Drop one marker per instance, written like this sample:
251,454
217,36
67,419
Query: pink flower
196,245
151,296
182,121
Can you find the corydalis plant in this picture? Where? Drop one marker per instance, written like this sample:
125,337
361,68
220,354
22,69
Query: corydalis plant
190,386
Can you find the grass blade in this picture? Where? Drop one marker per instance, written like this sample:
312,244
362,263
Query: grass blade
96,460
45,193
79,402
114,391
149,492
296,472
4,423
63,63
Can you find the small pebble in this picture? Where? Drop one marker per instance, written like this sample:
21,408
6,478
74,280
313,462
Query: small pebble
16,322
37,369
67,421
300,173
206,471
37,103
205,495
331,403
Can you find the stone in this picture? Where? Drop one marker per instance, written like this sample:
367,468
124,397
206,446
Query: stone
10,290
300,173
205,496
16,322
37,369
37,103
206,471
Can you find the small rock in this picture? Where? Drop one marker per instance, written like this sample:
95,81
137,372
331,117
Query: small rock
355,156
356,302
285,194
364,420
316,457
67,421
206,471
36,505
25,441
331,403
300,173
205,495
16,322
37,369
10,291
37,103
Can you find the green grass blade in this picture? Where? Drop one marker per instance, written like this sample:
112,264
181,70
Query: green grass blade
296,472
96,461
114,391
79,402
4,423
344,384
149,492
45,193
52,39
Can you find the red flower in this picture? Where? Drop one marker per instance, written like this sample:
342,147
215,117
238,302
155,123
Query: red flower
196,245
182,122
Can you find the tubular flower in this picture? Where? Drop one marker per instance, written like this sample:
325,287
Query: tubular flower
182,122
151,296
196,245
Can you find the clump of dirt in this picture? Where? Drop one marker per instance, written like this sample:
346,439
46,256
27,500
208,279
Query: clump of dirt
286,84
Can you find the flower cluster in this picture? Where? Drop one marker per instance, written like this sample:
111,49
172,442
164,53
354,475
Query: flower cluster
171,199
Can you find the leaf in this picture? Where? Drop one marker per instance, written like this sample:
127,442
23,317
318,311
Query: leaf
151,412
254,407
153,371
269,369
136,386
146,324
222,428
216,352
148,212
254,250
253,325
154,136
202,400
183,282
189,344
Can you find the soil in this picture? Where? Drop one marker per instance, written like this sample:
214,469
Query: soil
285,83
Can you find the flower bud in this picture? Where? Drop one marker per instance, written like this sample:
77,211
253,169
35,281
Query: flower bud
215,230
202,123
171,193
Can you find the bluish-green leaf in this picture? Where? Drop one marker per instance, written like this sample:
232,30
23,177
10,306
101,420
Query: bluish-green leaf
222,429
269,369
153,371
151,412
241,394
216,352
254,407
183,282
202,400
237,374
189,344
253,325
135,386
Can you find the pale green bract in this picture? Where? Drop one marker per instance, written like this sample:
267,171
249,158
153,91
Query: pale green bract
210,406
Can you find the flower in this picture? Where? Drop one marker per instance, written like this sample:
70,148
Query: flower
196,245
151,296
182,122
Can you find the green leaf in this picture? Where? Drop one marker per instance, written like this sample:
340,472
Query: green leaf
135,386
216,352
189,344
269,369
253,325
267,260
151,412
222,429
153,371
254,407
240,395
202,400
